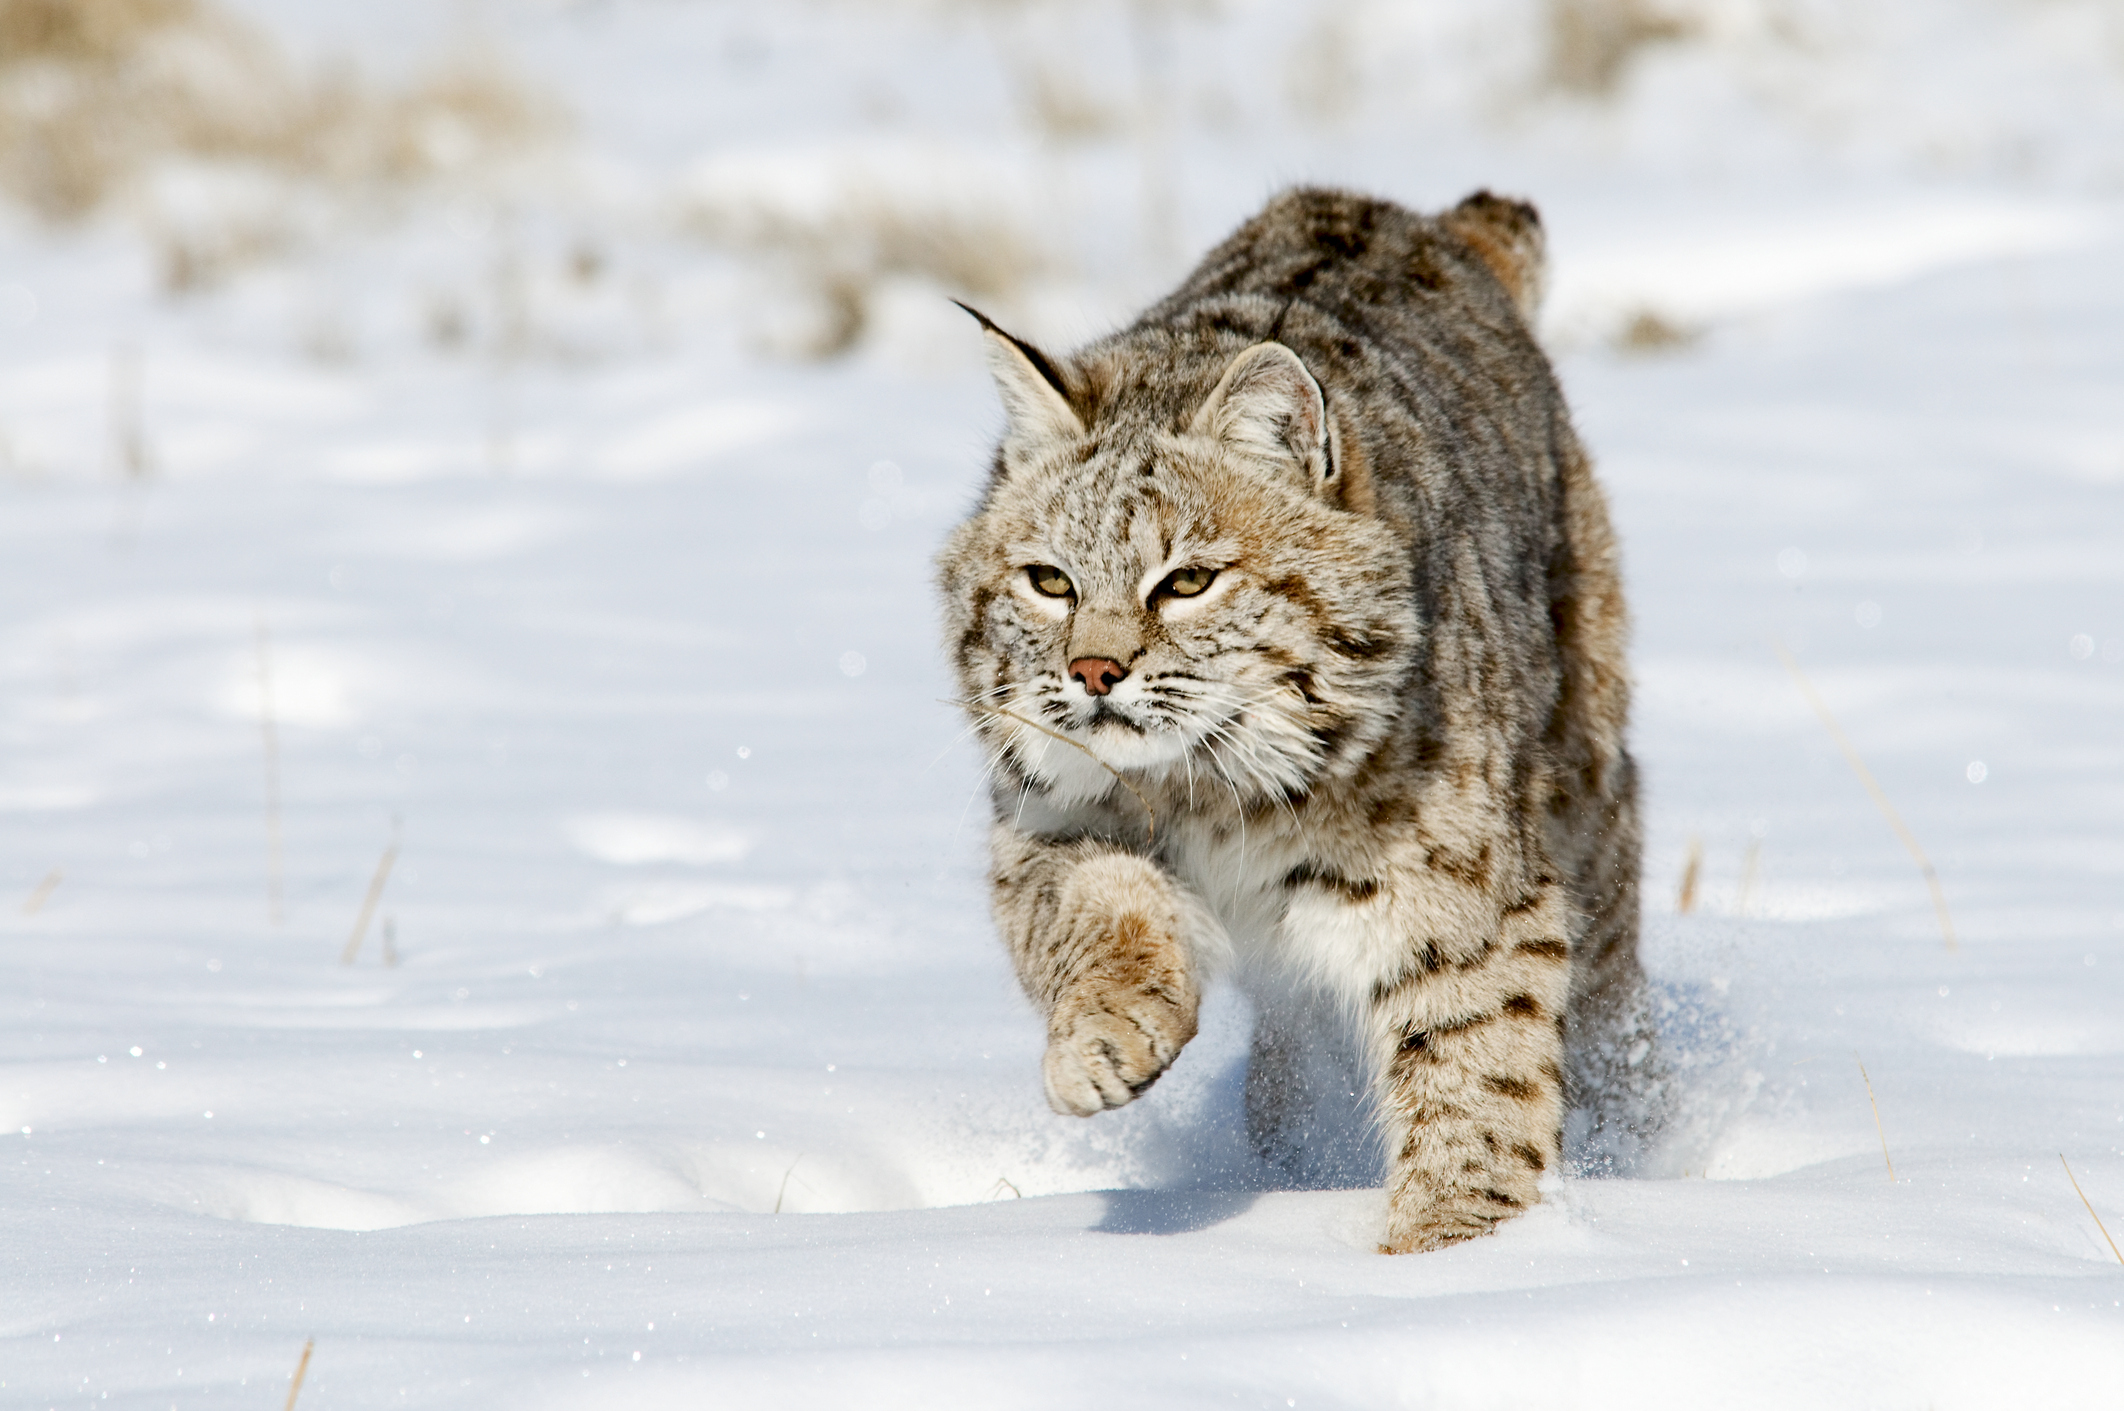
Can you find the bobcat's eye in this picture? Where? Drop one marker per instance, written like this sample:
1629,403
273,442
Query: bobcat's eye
1050,581
1186,583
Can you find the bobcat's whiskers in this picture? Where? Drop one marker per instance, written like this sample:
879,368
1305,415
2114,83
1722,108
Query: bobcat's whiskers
985,709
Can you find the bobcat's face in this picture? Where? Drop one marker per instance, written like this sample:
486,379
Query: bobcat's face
1193,611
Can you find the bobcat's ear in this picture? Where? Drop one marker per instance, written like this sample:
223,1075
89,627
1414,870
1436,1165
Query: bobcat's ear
1268,406
1034,396
1506,236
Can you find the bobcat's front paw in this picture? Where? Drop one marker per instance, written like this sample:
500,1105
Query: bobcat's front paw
1108,1042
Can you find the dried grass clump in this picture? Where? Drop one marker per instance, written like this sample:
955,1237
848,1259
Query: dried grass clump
1685,898
82,29
1324,79
97,94
1592,43
88,88
463,114
1063,94
843,231
1063,108
1649,331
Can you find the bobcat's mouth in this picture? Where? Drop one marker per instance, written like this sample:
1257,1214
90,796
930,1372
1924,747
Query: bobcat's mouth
1210,736
1105,713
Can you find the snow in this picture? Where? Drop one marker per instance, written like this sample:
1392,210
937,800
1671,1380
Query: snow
700,1079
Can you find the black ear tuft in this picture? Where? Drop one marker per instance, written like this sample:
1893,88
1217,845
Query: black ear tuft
1331,452
988,325
1039,360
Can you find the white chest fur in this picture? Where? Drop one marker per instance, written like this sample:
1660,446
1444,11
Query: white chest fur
1316,935
1240,876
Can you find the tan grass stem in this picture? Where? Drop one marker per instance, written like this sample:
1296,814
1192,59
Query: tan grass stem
129,447
1750,868
43,893
785,1183
269,736
985,709
1858,767
1685,902
368,903
301,1367
2090,1207
1876,1118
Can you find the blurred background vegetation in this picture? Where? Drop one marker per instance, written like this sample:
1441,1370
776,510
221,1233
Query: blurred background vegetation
808,178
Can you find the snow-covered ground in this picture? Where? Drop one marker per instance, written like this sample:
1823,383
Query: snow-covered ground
699,1079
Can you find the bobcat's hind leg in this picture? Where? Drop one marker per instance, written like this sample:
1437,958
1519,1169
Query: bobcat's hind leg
1307,1103
1619,1077
1471,1083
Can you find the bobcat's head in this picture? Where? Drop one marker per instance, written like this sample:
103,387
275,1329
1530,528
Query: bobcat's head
1162,572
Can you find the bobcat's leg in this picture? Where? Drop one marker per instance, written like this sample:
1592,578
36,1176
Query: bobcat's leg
1307,1102
1469,1053
1103,941
1275,1090
1616,1069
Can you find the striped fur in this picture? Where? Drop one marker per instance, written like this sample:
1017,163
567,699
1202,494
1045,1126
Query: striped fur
1377,767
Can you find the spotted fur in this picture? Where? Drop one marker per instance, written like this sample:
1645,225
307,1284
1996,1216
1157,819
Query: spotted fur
1377,768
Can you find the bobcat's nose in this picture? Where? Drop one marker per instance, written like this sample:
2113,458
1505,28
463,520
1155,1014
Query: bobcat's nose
1098,674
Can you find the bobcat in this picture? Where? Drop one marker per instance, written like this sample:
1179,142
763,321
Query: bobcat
1291,620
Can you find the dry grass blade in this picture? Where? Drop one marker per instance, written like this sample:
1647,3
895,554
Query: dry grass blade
1148,811
129,447
785,1183
1877,1118
2090,1207
1750,866
1686,901
295,1385
1858,767
44,891
368,904
270,737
